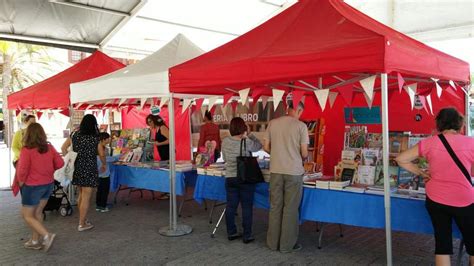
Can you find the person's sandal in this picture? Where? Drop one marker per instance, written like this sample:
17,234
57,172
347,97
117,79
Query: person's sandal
30,245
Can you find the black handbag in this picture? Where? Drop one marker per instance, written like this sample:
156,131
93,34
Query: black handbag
248,169
455,158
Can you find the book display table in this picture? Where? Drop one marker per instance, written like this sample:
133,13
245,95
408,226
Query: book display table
149,179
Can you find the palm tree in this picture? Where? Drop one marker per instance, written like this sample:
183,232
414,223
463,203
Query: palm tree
21,65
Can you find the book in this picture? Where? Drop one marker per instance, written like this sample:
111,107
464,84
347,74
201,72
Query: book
366,174
370,157
398,142
374,141
355,137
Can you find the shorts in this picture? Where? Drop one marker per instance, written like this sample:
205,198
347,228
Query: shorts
442,217
31,195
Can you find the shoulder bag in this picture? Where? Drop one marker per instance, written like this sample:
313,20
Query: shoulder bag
248,169
455,158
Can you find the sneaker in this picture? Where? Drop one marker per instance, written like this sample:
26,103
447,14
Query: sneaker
105,209
30,244
296,247
48,241
98,209
85,227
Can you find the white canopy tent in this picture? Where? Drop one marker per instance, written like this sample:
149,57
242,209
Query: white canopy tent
145,79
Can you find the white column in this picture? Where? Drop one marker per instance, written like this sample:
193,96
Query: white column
386,176
467,116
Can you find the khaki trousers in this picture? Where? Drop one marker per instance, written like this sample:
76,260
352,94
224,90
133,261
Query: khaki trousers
285,198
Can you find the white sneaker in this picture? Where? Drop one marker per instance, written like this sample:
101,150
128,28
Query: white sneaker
85,227
48,241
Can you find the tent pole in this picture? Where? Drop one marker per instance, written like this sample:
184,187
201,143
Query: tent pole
9,141
173,229
70,188
386,177
467,115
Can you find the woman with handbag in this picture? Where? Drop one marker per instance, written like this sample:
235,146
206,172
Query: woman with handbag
237,190
449,188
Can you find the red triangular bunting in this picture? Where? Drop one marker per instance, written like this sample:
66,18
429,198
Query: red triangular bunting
17,112
199,104
346,93
297,95
65,112
450,90
39,114
401,82
257,92
390,94
129,108
234,105
227,98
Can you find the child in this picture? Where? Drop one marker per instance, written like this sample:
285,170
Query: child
104,177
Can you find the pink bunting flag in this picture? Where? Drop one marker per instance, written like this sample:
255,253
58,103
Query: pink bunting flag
50,115
129,108
297,96
346,93
199,103
39,114
401,82
423,102
227,97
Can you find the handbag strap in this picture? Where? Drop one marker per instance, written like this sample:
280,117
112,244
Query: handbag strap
243,144
455,158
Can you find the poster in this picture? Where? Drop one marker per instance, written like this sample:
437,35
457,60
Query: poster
362,115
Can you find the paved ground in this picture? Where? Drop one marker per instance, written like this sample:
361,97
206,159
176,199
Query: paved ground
129,235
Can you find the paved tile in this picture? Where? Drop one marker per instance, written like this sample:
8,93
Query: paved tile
129,235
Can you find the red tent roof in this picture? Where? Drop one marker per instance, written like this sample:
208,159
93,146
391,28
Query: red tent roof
53,93
309,39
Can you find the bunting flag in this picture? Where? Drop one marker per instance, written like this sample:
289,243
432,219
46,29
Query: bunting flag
131,101
346,93
163,101
142,103
78,106
462,88
453,85
103,112
332,98
439,90
401,82
65,112
411,90
227,97
244,94
322,96
452,92
297,97
368,100
199,103
122,101
17,112
277,96
186,104
212,101
430,104
423,102
155,101
39,114
129,108
368,86
257,92
264,101
50,115
234,105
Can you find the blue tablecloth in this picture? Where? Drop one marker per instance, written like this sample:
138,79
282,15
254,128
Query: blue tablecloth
331,206
147,178
213,188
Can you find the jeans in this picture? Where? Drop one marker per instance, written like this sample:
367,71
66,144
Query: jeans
103,192
239,192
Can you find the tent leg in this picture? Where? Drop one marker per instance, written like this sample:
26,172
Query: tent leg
173,229
385,152
467,115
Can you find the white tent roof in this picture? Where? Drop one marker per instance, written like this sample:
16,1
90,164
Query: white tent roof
145,79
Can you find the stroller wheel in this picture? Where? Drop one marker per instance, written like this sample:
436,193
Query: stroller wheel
63,211
69,211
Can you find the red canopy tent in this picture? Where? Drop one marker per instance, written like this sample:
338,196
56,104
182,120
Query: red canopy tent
53,93
327,44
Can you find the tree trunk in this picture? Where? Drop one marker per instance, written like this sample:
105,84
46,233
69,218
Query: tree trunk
6,78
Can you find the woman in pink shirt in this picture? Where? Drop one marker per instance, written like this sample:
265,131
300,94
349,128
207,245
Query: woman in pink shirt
35,169
450,193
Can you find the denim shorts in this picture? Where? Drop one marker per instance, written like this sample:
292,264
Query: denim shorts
31,195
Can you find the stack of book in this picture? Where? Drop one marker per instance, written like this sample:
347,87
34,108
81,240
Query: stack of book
339,185
201,171
355,189
322,184
378,190
184,166
216,169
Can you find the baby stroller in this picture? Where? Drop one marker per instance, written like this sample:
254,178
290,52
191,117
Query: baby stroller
58,201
